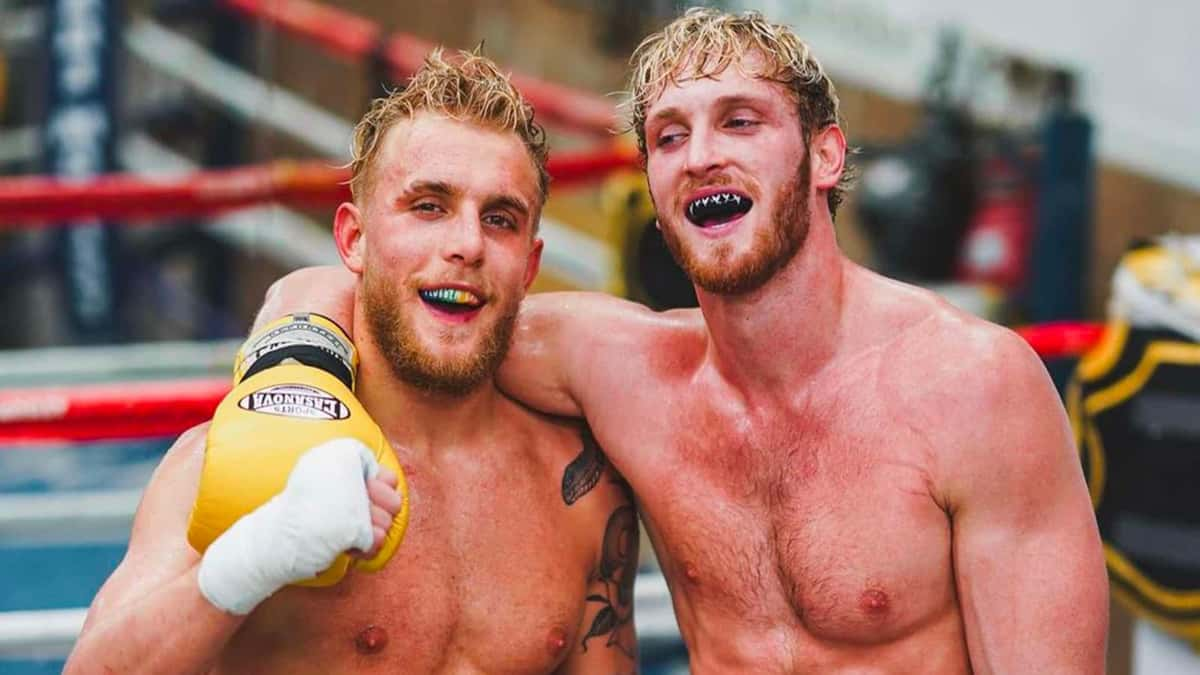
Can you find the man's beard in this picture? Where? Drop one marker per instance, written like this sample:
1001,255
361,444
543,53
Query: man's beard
772,248
413,364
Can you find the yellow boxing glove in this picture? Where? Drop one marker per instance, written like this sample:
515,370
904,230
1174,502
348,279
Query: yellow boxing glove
293,392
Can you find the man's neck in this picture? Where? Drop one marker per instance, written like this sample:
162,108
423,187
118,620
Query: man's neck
421,420
776,337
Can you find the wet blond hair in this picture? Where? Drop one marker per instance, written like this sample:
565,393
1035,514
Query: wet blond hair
704,42
467,87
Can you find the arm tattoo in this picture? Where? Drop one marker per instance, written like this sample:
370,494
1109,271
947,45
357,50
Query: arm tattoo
584,471
618,567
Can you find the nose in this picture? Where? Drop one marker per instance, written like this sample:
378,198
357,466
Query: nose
704,153
463,241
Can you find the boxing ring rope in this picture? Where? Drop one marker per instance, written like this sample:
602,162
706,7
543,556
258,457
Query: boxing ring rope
51,633
108,411
36,634
294,240
75,515
355,38
574,256
149,409
1061,339
52,365
39,199
285,236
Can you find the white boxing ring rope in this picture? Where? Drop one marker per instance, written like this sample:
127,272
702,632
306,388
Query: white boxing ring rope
75,365
42,634
50,634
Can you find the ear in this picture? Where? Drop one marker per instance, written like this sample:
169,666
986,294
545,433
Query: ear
828,157
534,263
348,235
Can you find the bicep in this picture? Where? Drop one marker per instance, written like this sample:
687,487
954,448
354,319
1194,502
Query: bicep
561,339
1028,561
158,550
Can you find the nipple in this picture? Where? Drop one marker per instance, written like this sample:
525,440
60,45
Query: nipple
556,641
874,601
371,640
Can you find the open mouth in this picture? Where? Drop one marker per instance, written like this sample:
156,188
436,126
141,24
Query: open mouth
454,301
718,208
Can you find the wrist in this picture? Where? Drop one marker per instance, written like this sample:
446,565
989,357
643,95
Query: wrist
237,572
311,339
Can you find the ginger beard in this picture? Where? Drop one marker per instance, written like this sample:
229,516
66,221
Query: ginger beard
417,365
722,272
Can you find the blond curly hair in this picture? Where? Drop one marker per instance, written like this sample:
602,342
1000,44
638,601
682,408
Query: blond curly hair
467,87
704,42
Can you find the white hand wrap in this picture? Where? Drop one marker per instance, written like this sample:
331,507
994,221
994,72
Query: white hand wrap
323,512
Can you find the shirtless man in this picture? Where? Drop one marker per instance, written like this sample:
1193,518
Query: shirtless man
521,548
840,473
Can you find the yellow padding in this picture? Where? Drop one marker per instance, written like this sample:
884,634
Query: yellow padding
251,453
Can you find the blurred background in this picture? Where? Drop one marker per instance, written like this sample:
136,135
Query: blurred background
1009,156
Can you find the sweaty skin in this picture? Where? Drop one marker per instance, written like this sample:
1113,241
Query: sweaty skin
840,473
521,546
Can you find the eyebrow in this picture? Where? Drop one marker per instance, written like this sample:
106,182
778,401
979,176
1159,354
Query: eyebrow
506,201
725,102
436,187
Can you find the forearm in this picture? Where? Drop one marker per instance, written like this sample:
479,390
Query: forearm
322,290
171,630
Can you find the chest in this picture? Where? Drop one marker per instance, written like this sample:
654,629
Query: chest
831,522
489,578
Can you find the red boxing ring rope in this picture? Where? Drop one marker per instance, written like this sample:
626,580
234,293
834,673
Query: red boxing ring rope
108,411
156,409
39,199
358,39
1060,339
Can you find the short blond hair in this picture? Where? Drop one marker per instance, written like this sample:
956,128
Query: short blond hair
467,87
704,42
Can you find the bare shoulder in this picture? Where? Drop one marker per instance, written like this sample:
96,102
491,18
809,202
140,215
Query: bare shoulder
936,349
977,391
